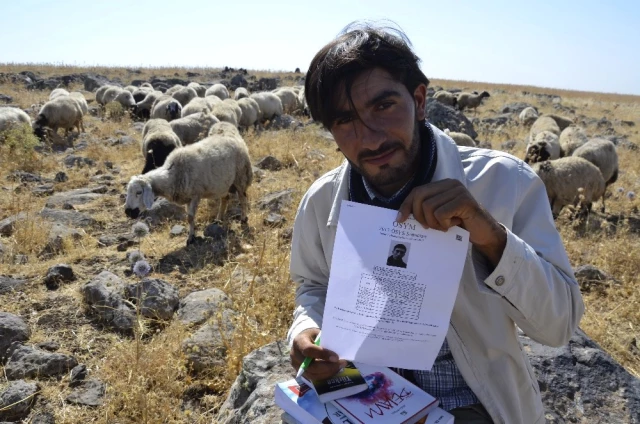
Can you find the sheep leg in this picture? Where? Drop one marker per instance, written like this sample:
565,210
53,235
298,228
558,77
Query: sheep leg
191,219
223,207
242,196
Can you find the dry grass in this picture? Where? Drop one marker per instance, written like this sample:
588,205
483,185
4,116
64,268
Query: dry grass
147,375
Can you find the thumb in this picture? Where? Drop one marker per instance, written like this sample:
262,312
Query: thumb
405,208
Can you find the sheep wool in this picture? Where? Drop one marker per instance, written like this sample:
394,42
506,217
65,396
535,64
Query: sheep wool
197,105
570,139
10,116
240,93
193,127
545,146
446,98
200,90
250,112
82,102
225,113
184,95
58,92
602,153
471,100
543,123
158,141
270,105
528,116
61,112
460,139
218,90
289,99
166,107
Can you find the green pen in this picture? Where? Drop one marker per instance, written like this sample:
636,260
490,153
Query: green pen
307,361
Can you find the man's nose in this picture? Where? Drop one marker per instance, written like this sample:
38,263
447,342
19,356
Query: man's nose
370,134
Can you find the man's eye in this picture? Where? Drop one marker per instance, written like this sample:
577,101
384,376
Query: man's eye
385,105
343,120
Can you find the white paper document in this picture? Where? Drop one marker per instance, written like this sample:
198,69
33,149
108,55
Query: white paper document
392,287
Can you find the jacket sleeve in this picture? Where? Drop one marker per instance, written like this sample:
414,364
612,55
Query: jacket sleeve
534,275
308,268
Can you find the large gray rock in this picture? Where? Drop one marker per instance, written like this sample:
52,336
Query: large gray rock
443,116
68,217
29,362
78,196
156,298
516,107
275,202
206,348
58,274
8,284
198,306
57,235
93,82
12,329
104,295
7,225
250,399
17,399
87,393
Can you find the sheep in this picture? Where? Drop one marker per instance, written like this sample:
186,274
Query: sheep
211,168
125,98
218,90
303,102
562,121
571,181
570,139
111,94
446,98
131,88
158,141
10,116
197,105
200,90
225,112
166,107
143,108
58,92
193,127
545,146
184,95
270,105
146,85
173,89
602,153
250,112
543,123
470,100
82,102
460,139
289,99
236,108
61,112
528,116
100,93
141,93
240,93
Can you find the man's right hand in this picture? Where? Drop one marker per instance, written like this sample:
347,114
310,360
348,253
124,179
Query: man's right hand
326,362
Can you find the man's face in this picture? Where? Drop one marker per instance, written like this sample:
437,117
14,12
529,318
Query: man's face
381,137
398,253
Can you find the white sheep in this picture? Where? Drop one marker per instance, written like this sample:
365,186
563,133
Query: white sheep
240,93
602,153
446,98
201,90
303,102
544,123
528,116
570,139
197,105
111,93
193,127
100,93
270,105
173,89
250,112
58,92
235,107
226,113
125,98
289,99
218,90
211,168
461,139
571,181
158,141
140,93
10,116
471,100
545,146
61,112
131,88
184,95
166,107
82,102
146,85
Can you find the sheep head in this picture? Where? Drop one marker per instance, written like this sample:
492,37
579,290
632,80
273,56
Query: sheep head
139,196
174,109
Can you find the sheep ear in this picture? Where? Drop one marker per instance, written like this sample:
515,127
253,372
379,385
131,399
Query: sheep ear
147,196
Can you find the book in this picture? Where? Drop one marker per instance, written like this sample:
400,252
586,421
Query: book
389,398
348,381
301,403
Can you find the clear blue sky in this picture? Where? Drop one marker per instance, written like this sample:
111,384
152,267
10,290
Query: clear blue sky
583,45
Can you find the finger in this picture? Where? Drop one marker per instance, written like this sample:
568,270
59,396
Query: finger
303,339
319,370
439,209
317,352
405,208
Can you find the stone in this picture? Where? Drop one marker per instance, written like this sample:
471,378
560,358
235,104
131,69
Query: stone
87,393
61,177
8,99
528,116
110,240
238,81
562,121
24,177
199,306
7,225
258,174
250,398
12,329
154,297
177,230
509,145
274,220
206,348
8,284
93,82
215,231
275,202
283,122
104,294
43,190
58,274
29,362
588,276
43,417
78,196
492,121
287,234
57,235
78,374
68,217
269,163
49,346
622,142
443,116
163,210
138,127
17,399
517,107
78,161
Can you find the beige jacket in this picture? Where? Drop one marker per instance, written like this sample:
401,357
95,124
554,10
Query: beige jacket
532,287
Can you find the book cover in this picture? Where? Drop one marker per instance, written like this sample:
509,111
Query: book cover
346,382
389,398
303,405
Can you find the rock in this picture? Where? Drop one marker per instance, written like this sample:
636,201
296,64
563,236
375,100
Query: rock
78,196
57,236
49,346
104,295
622,142
43,190
198,306
12,329
7,225
78,161
43,417
250,399
177,230
93,82
264,84
156,298
287,234
517,107
87,393
205,348
163,210
274,220
283,122
443,116
29,362
58,274
589,276
78,374
61,177
123,141
109,240
17,399
276,201
215,231
562,121
528,116
68,217
8,284
3,250
238,81
269,163
493,121
138,127
258,174
5,98
509,145
24,177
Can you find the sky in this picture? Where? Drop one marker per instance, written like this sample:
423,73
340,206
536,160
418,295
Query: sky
577,45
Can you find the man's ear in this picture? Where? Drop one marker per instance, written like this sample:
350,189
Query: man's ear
147,196
420,98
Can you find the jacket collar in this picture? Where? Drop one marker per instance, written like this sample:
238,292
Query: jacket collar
449,165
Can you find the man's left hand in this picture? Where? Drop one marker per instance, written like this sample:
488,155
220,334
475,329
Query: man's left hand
447,203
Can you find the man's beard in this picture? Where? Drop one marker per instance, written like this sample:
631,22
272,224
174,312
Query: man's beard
386,174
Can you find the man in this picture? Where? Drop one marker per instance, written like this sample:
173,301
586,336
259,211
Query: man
396,256
367,89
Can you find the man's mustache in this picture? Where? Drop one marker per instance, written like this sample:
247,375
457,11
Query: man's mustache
386,147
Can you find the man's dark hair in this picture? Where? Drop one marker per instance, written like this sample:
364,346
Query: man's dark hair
358,48
400,246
